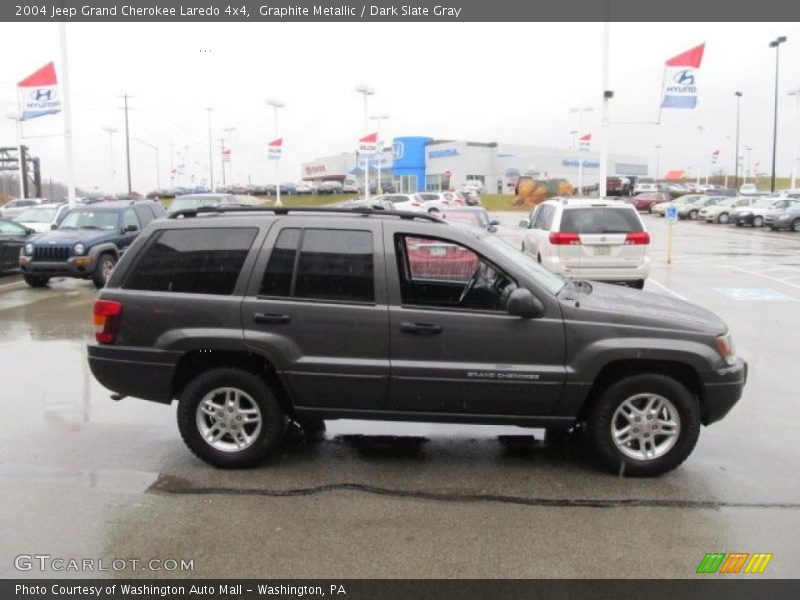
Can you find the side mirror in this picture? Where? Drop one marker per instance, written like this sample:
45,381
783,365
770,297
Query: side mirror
525,223
494,223
54,226
522,303
29,231
130,228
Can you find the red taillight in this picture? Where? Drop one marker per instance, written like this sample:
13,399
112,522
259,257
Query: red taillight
565,238
416,204
106,320
637,238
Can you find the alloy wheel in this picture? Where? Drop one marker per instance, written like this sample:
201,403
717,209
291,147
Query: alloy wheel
228,419
645,426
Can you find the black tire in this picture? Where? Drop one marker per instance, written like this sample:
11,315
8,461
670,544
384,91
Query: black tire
796,225
739,224
433,211
600,423
36,281
693,215
638,284
758,221
273,426
105,263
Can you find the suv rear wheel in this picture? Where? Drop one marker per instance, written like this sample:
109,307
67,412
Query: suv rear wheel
36,281
105,264
645,425
230,418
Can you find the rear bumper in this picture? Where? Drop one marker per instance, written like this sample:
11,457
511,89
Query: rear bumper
137,372
623,273
721,390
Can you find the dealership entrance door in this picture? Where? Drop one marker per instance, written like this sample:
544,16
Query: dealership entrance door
406,184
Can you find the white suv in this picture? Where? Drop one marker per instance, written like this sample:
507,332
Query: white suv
604,240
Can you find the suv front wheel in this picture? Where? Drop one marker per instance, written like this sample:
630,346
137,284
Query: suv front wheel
105,265
230,418
644,425
36,281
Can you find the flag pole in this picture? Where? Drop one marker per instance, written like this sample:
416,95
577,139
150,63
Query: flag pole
68,150
20,167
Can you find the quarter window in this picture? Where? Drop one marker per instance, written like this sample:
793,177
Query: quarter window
193,261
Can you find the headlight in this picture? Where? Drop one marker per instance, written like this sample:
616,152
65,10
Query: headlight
79,249
29,248
725,348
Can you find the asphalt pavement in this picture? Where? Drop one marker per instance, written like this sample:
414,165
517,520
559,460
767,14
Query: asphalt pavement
85,477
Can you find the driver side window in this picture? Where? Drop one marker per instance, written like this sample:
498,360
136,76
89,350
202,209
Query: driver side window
441,273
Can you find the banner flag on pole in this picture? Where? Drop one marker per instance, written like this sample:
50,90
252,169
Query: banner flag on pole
714,157
680,79
38,94
585,142
226,155
368,144
275,147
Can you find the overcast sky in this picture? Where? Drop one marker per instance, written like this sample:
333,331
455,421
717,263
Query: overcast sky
485,82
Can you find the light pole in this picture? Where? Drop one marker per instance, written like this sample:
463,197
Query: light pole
276,104
580,112
749,150
158,168
111,131
796,158
736,154
658,160
776,43
366,91
229,131
379,162
700,130
210,152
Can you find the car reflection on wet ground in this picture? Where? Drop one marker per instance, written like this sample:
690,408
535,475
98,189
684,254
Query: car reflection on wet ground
83,476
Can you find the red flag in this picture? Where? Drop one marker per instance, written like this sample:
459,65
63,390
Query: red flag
586,138
690,58
276,143
715,153
372,138
43,77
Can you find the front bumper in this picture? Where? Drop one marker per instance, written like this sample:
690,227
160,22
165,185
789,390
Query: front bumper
778,224
76,266
721,390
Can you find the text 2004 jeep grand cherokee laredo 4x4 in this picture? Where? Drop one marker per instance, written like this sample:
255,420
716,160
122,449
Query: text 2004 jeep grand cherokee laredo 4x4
250,318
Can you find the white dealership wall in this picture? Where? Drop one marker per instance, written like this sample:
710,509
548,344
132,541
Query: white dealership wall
449,164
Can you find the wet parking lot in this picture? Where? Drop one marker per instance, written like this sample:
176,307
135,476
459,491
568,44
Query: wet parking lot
83,476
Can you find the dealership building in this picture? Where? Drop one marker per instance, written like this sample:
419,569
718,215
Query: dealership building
416,164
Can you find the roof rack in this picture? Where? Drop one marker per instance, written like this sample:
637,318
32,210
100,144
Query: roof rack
283,210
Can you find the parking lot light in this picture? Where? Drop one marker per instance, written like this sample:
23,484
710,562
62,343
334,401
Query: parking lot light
776,43
736,154
796,156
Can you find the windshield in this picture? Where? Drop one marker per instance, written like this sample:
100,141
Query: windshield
90,219
552,282
37,215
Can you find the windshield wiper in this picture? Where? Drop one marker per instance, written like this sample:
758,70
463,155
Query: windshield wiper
90,227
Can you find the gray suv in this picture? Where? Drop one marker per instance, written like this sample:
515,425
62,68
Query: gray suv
252,318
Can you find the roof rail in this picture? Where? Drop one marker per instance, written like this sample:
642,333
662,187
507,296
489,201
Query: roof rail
283,210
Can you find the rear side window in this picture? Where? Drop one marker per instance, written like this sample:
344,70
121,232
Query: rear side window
600,220
193,261
332,265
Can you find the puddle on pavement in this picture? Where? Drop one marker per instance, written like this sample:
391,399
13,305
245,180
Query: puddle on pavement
122,481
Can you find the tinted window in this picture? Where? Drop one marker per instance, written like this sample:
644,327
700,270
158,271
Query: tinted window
277,279
547,216
193,261
145,214
335,265
600,220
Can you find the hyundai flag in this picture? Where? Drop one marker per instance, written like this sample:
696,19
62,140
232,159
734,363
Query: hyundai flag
680,79
368,144
586,141
275,149
39,94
